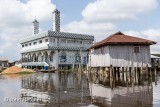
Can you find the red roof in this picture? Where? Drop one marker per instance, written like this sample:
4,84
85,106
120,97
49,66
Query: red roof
122,39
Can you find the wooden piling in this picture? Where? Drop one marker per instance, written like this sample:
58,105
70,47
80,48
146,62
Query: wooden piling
155,73
123,73
136,75
110,75
126,74
147,71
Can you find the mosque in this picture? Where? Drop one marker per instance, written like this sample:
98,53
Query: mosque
54,48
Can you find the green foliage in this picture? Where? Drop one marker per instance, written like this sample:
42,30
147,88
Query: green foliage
24,72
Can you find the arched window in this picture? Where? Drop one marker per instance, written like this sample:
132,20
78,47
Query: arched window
51,56
77,57
63,57
87,57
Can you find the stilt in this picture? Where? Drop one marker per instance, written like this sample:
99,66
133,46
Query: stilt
118,71
123,73
155,73
73,68
126,74
150,71
132,74
136,75
147,71
111,76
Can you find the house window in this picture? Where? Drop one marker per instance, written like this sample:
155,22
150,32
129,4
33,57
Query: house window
22,45
46,40
136,49
63,40
102,50
40,41
63,57
34,43
29,44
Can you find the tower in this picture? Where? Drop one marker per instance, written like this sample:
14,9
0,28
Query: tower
56,20
35,27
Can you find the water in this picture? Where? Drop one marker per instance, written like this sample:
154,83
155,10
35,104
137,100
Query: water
76,90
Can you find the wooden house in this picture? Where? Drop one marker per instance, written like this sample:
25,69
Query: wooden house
3,63
120,50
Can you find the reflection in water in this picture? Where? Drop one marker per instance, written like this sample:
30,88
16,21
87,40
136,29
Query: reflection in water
77,90
121,92
65,89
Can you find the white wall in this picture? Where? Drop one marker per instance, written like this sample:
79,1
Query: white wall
98,59
43,45
123,56
120,56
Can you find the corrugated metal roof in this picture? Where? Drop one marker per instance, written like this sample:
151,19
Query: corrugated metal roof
122,39
35,64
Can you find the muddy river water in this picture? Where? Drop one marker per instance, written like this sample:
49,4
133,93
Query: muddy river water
77,90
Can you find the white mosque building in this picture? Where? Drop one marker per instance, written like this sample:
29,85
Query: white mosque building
54,48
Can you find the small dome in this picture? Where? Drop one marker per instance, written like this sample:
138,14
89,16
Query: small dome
35,20
56,11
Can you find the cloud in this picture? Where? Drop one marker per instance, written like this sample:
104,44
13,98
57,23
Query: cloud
150,34
100,17
16,22
113,10
4,47
92,29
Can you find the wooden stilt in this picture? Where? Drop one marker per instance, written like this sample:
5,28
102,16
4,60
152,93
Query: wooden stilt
126,74
111,76
155,73
123,73
118,71
147,71
136,75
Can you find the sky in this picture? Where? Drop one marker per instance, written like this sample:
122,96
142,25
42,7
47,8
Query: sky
101,18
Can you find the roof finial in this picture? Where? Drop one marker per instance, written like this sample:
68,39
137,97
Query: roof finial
119,33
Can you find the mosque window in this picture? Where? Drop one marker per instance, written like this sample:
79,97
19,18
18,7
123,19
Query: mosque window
34,43
63,40
63,57
77,57
46,40
51,56
70,41
26,45
52,40
87,42
78,41
40,41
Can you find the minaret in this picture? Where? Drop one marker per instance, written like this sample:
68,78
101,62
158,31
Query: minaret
35,27
56,20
